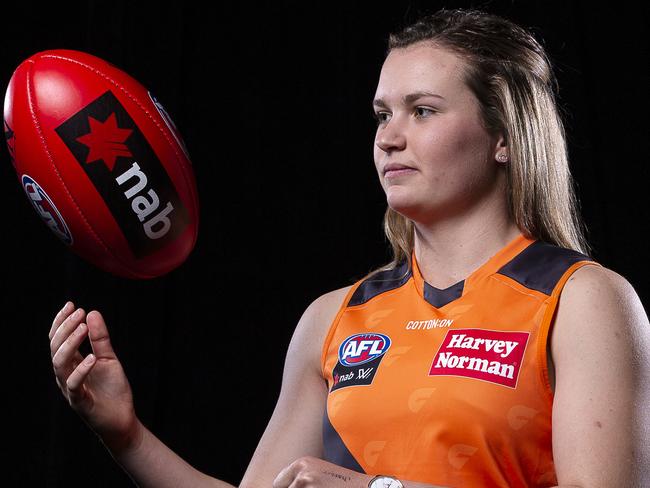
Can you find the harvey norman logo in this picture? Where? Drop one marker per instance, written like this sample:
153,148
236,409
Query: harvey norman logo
487,355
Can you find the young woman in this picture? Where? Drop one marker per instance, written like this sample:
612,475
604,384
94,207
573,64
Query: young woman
492,350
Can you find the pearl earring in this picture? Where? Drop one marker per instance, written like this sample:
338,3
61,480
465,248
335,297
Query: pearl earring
503,157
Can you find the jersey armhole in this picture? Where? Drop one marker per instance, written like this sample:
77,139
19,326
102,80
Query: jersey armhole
547,325
332,326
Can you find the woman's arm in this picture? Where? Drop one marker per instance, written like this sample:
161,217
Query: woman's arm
149,462
295,428
600,345
99,391
97,388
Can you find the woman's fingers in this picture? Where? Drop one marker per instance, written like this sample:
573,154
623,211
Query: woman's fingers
99,338
60,317
66,327
68,353
75,381
76,360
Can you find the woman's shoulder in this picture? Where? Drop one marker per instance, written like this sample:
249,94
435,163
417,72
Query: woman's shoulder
589,281
326,306
333,298
320,313
596,304
596,287
313,326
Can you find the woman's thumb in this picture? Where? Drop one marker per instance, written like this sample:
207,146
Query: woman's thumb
98,334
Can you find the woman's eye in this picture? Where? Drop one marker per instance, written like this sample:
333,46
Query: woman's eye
379,117
419,110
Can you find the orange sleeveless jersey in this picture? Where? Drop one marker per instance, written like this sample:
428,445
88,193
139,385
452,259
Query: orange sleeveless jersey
448,387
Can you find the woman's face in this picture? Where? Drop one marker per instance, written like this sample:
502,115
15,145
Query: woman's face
440,137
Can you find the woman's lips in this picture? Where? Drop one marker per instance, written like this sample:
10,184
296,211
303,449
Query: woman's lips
393,173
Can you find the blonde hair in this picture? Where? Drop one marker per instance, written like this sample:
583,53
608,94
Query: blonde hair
512,78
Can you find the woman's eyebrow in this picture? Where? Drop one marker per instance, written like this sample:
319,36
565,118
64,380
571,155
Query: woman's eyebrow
406,99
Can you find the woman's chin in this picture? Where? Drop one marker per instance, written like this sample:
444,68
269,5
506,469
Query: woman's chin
404,206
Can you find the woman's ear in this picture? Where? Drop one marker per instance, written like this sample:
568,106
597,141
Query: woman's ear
501,149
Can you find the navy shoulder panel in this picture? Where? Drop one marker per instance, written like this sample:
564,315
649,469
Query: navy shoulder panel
541,265
380,283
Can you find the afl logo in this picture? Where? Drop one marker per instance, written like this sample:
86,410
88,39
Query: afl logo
45,207
363,348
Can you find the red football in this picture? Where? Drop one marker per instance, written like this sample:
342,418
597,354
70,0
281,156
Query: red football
102,163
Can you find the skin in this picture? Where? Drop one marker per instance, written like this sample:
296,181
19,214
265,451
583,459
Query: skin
457,195
600,341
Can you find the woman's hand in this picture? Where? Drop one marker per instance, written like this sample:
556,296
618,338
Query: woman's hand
308,472
95,386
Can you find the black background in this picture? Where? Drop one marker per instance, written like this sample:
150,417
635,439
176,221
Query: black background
273,102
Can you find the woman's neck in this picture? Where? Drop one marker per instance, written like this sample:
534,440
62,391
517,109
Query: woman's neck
449,252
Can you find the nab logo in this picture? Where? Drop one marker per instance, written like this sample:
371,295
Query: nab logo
106,141
123,167
363,348
46,209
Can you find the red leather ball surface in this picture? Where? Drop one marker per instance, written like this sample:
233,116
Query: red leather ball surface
102,163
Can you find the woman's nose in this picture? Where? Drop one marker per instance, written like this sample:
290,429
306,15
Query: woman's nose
390,136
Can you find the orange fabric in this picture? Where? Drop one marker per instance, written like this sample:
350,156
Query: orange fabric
462,401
